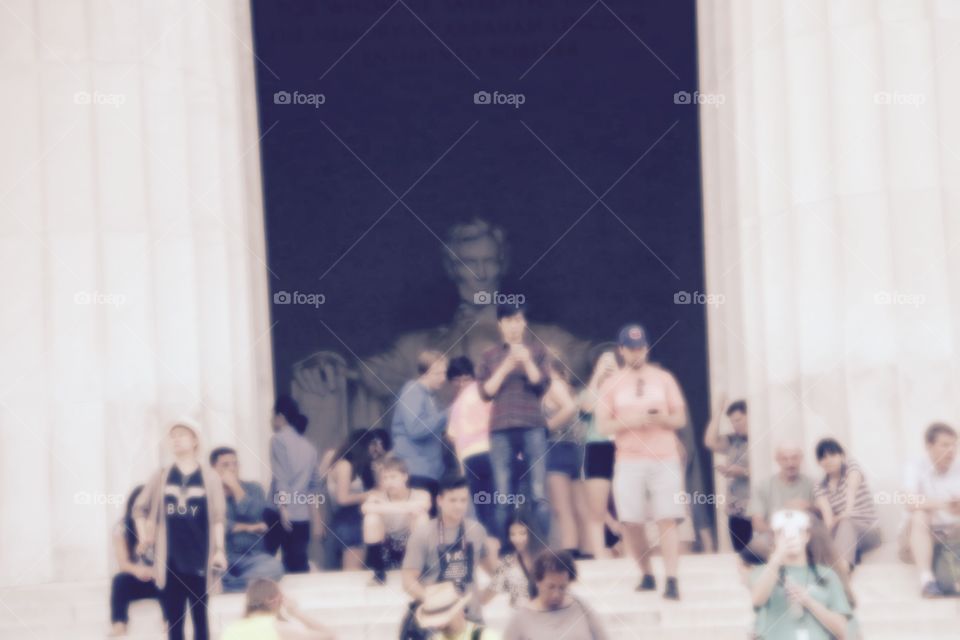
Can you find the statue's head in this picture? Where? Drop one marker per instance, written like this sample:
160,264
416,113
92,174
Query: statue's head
475,259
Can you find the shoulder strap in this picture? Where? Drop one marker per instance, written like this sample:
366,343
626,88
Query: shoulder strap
477,632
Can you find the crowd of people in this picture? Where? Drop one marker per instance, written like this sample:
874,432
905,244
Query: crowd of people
511,469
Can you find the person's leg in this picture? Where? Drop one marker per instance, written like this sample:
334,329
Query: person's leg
480,477
741,530
197,599
921,545
173,599
561,505
636,537
501,463
597,494
580,518
124,589
845,540
295,546
669,545
374,532
353,559
535,453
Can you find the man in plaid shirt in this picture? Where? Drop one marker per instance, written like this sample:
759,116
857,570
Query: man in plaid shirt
514,377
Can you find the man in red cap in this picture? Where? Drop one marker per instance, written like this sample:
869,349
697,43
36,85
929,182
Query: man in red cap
642,407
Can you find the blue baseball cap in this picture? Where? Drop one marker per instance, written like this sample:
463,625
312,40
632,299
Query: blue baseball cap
633,336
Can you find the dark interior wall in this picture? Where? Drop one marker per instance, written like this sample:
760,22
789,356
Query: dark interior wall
398,82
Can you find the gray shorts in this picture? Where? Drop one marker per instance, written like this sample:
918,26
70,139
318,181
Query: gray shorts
645,490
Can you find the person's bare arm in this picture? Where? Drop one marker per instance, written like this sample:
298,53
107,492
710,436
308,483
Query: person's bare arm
764,584
411,583
342,472
712,439
560,394
492,385
826,511
854,480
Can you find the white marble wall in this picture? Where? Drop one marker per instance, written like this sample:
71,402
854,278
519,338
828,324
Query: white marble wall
132,261
832,221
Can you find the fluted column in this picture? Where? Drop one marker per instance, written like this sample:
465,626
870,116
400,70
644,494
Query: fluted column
832,222
133,262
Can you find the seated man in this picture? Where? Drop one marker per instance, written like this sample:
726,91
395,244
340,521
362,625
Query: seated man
933,498
391,512
786,489
247,555
448,548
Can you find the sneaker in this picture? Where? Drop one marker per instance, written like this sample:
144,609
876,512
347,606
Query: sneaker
671,591
648,583
931,590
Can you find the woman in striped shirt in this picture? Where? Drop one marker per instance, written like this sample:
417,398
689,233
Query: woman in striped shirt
848,508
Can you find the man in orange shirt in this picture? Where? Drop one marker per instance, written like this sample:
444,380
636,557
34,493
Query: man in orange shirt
642,407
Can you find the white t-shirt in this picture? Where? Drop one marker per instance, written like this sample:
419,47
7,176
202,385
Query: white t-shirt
922,478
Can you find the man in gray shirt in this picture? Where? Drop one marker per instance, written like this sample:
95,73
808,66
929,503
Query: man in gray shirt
448,548
295,486
786,489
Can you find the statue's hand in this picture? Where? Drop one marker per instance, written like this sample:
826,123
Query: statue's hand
323,373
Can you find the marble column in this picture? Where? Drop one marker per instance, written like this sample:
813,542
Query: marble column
832,222
133,262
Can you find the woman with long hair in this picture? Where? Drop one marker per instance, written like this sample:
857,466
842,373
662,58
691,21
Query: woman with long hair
794,594
564,456
352,479
134,577
515,571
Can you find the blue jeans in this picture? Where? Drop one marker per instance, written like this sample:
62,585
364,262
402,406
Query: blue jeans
505,445
250,566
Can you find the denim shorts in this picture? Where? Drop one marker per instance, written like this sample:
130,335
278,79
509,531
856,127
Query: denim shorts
565,458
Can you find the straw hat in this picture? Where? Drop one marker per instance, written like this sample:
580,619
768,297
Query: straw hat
440,603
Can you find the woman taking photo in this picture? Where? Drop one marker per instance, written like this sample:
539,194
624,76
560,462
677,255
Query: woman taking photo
794,596
181,515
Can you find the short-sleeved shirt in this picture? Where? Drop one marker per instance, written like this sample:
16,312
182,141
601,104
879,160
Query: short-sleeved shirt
776,620
922,478
864,509
574,621
738,488
627,398
188,526
423,555
774,494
